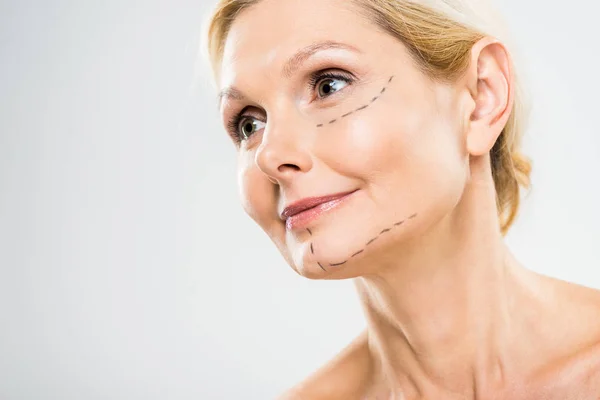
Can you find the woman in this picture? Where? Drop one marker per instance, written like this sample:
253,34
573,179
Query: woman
379,140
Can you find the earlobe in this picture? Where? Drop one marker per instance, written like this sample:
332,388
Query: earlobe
491,80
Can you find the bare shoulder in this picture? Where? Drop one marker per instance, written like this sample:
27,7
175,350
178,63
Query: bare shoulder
577,318
580,306
574,304
576,374
576,377
347,376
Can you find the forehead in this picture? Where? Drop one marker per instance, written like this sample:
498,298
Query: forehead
265,35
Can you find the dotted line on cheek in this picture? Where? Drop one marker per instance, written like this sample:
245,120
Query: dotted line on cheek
386,230
373,100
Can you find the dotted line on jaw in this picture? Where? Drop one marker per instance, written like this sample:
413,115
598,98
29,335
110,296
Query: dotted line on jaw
373,100
312,249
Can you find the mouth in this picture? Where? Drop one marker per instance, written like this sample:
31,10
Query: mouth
301,213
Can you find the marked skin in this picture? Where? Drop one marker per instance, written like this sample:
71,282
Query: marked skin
363,107
450,312
312,250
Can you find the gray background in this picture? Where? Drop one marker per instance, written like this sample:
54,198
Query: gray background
128,269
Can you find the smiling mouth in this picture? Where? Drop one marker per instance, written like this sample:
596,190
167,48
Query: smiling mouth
301,217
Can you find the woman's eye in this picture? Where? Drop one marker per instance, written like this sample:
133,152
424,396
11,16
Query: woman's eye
248,126
330,85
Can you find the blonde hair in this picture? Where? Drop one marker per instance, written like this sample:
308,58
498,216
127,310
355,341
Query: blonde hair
439,35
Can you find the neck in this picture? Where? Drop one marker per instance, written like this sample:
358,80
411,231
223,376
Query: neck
440,319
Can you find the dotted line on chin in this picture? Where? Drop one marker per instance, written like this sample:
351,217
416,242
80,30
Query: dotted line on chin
312,249
373,100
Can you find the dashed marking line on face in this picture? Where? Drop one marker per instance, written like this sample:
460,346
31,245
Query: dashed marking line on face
373,100
312,250
357,253
338,264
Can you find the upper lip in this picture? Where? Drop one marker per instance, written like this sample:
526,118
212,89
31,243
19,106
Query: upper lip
309,202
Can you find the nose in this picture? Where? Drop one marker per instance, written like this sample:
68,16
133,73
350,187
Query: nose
284,150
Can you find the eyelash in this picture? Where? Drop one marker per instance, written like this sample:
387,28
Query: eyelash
315,79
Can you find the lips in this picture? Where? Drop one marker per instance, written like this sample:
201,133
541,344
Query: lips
305,210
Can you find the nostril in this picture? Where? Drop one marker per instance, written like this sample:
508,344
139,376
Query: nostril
284,167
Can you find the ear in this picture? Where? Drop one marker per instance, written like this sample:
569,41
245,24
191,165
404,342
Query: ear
490,82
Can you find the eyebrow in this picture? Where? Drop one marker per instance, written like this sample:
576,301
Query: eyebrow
292,64
231,93
304,54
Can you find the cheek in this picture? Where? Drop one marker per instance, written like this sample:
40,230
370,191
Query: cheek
426,151
405,152
259,200
256,193
397,138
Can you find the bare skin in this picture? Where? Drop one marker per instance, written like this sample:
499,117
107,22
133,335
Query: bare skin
356,374
450,313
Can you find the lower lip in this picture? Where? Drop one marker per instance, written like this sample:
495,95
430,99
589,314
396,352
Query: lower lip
304,218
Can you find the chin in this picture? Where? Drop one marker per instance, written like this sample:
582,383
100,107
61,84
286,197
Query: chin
339,252
333,257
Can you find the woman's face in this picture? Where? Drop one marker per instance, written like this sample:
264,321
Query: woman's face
332,106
